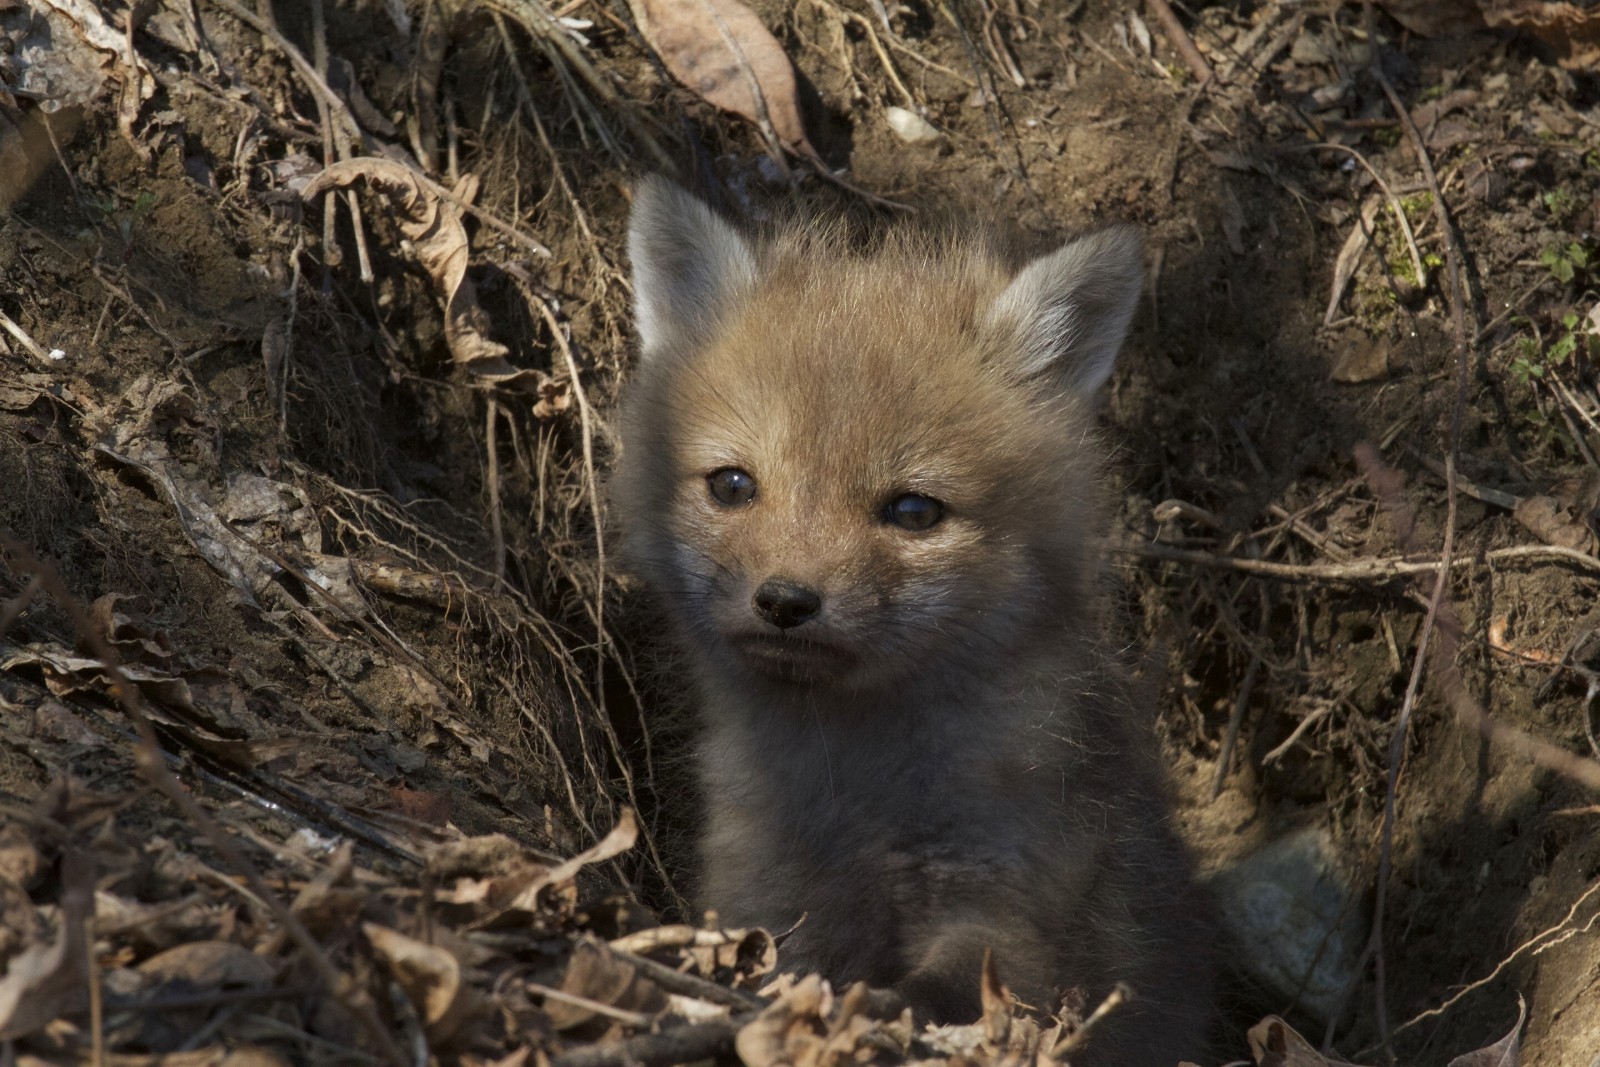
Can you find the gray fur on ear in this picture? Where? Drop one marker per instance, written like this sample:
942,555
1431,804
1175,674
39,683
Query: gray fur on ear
1067,312
687,262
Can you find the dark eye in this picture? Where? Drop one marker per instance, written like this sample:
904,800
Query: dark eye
913,511
731,487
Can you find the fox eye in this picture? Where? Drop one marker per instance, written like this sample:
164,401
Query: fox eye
913,511
731,487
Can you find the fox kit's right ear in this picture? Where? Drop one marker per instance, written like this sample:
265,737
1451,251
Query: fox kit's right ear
1066,313
688,262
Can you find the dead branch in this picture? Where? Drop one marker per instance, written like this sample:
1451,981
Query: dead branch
1162,12
1367,570
682,1044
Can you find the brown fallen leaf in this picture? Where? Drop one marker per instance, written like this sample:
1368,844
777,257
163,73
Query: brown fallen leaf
1572,31
597,979
723,52
1549,520
1503,1053
1435,18
1497,641
123,621
430,976
45,980
1274,1043
433,226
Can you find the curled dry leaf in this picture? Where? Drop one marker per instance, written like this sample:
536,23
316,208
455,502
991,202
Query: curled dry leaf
433,225
1503,1053
1274,1043
123,622
747,955
619,840
1435,18
1572,31
1549,520
598,979
137,82
807,1026
430,976
45,979
494,872
725,54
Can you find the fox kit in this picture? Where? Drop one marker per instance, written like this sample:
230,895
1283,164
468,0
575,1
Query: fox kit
864,486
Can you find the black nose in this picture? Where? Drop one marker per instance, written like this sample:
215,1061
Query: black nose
786,604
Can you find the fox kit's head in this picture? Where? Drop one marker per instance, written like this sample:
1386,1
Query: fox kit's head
848,469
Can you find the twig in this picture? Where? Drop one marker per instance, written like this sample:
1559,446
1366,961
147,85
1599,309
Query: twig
1231,738
24,340
1387,485
1162,12
1311,718
1118,996
690,985
492,476
636,1019
1366,570
1537,943
683,1044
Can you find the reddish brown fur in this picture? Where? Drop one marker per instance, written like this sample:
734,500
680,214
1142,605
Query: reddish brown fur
939,762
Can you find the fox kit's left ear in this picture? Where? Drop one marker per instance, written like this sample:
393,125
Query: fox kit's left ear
688,264
1066,313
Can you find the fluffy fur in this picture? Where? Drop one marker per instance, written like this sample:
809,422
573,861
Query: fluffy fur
936,761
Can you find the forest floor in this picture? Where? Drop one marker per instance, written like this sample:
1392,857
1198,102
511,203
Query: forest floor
312,317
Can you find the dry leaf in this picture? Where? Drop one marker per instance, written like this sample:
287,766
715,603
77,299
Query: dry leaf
430,976
43,981
996,1000
1274,1043
1548,519
135,642
1572,31
725,54
1434,18
1503,1053
137,82
618,841
433,225
594,974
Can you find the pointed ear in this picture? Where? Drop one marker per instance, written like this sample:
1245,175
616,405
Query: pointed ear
687,262
1066,313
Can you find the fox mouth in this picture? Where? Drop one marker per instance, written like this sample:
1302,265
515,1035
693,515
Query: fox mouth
792,659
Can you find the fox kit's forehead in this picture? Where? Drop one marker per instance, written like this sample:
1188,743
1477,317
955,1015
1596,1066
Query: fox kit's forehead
857,371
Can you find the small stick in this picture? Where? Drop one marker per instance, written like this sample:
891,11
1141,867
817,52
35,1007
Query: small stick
23,339
1312,717
1162,12
1235,720
690,985
683,1044
1118,996
1366,570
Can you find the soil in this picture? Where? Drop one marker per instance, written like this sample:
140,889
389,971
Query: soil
361,573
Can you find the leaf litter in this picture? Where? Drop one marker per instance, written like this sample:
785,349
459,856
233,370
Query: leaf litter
120,928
